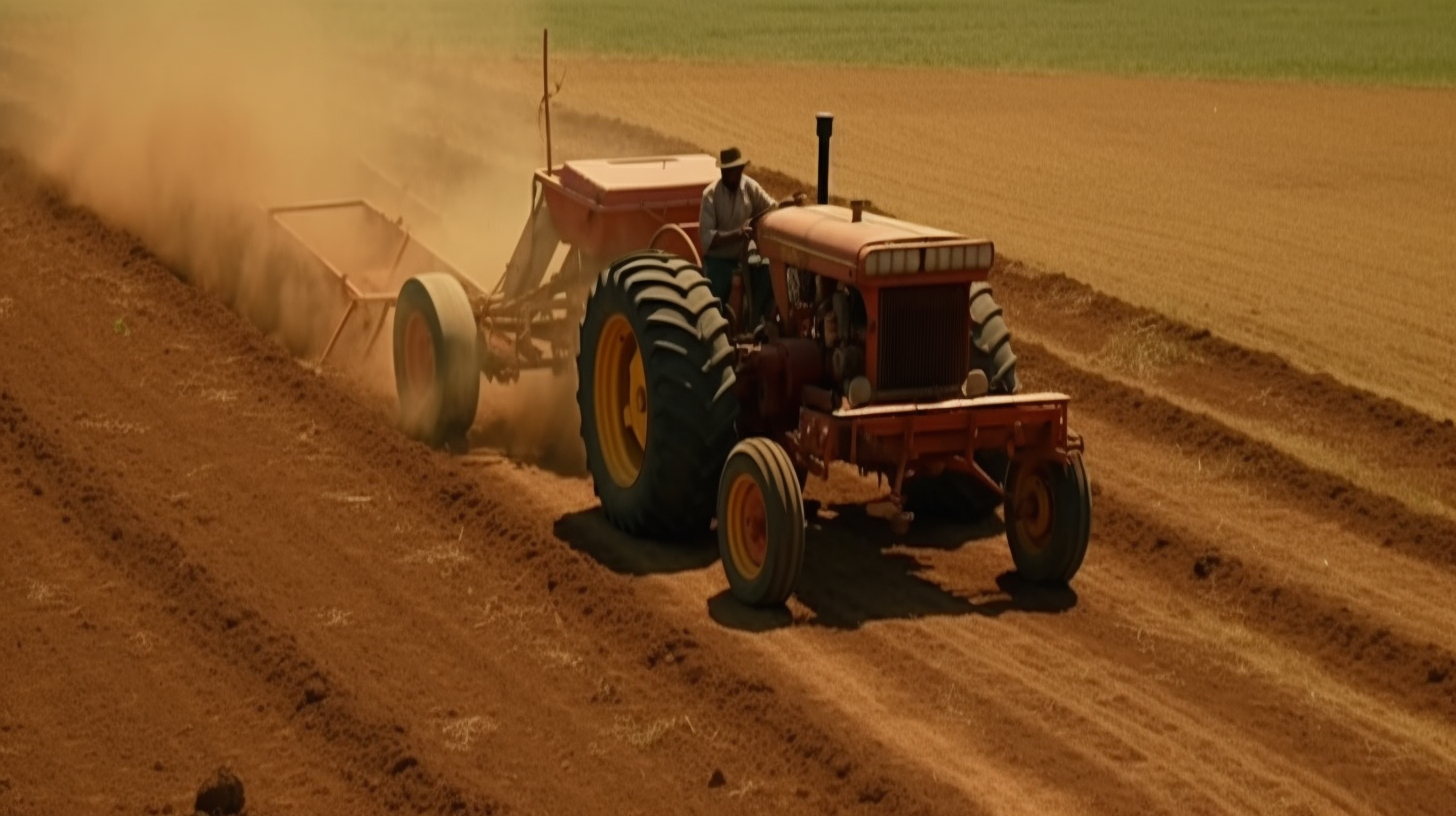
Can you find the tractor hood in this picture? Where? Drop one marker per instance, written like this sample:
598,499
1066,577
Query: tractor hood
871,250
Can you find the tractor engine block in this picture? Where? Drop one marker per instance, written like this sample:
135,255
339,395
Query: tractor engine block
840,325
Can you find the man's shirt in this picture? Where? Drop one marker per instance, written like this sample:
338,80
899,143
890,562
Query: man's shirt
724,210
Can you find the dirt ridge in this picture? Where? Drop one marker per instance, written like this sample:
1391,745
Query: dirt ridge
228,627
1348,642
1429,537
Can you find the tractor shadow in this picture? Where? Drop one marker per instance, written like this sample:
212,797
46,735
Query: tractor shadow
590,533
856,571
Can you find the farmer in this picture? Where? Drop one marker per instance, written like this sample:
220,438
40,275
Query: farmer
729,207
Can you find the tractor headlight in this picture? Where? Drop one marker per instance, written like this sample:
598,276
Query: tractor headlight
937,259
859,391
976,384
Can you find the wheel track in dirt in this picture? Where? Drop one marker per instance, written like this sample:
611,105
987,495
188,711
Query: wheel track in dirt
1305,413
226,627
1321,622
1140,710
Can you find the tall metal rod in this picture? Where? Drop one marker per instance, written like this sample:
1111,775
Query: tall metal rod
546,92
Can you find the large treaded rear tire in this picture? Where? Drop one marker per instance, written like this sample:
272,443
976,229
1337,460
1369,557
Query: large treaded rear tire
436,366
956,496
690,413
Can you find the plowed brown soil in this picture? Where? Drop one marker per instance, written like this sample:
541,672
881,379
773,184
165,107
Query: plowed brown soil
214,555
355,624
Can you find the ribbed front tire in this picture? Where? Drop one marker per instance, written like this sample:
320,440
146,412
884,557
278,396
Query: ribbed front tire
761,526
1048,518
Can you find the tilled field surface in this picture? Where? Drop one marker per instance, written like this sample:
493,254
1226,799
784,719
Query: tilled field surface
216,556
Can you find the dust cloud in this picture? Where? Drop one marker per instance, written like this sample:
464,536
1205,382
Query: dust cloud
180,121
535,420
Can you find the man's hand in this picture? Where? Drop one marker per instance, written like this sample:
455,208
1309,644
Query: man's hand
744,232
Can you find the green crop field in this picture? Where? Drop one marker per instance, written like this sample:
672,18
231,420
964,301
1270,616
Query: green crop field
1411,42
1380,41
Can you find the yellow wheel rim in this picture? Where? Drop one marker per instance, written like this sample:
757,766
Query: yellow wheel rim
620,401
1033,506
746,526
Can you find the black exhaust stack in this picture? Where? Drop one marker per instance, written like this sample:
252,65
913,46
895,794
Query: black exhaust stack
825,129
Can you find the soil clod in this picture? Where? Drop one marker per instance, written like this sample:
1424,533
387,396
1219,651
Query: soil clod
220,795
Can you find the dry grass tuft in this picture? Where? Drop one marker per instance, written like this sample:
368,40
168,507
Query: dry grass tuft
645,735
143,642
748,787
333,618
113,426
1144,350
39,592
462,733
562,658
347,498
449,557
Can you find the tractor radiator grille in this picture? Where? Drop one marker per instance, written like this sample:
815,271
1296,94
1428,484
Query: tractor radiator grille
924,338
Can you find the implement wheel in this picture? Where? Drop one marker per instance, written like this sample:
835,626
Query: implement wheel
760,523
436,368
655,381
1048,518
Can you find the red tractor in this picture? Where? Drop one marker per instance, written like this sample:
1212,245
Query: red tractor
882,348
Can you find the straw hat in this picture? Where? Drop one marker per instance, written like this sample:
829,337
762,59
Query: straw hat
732,157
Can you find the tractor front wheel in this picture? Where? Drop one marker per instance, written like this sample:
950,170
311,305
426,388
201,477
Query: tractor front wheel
761,523
436,367
1048,518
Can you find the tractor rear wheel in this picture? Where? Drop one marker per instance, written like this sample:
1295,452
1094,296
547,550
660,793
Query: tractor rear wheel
761,523
655,388
953,495
1048,518
436,367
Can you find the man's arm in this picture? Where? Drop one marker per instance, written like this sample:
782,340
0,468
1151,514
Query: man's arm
759,200
762,202
708,226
